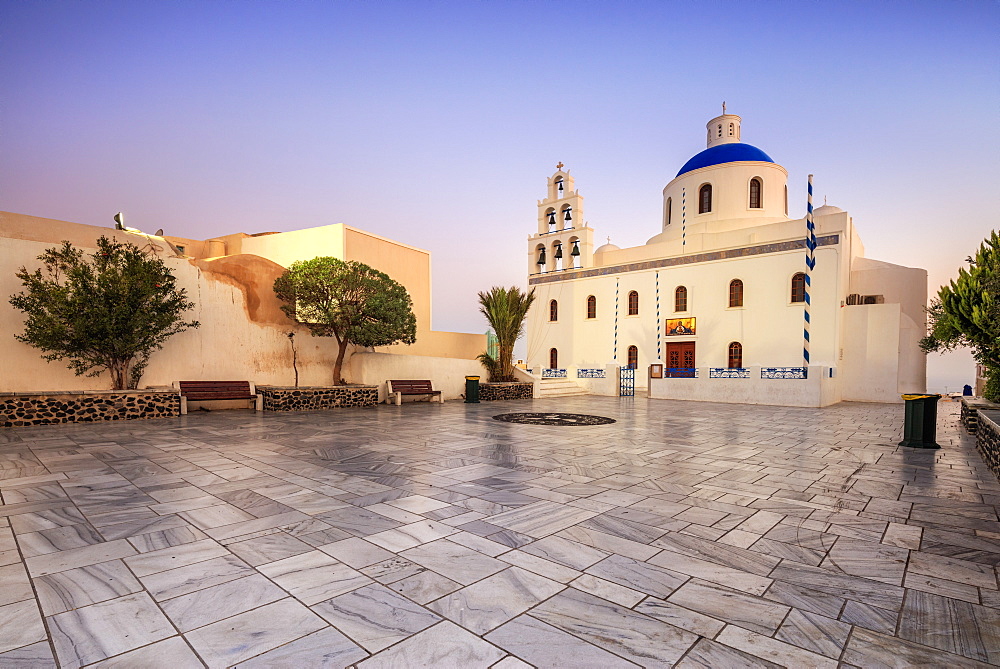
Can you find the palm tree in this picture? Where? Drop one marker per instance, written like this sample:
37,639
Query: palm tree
506,309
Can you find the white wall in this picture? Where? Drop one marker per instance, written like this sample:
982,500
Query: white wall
870,366
237,340
769,325
817,390
446,374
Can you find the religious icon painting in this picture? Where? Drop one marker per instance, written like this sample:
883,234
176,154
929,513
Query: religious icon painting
680,326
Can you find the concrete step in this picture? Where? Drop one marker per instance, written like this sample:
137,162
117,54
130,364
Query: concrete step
559,388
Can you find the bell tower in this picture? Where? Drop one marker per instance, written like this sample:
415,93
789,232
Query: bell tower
563,241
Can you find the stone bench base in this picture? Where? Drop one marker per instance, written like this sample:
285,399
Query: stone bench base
290,398
490,392
25,409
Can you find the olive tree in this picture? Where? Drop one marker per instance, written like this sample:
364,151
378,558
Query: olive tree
106,312
967,313
348,300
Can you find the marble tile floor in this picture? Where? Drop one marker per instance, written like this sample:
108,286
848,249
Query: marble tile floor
685,534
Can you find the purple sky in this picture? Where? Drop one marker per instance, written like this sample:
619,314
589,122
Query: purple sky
437,123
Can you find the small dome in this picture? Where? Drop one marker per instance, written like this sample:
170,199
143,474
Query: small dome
607,247
725,153
826,210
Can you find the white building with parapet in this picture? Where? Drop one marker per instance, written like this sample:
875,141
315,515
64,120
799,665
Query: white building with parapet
717,295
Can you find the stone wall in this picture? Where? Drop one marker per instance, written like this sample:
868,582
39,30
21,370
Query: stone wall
988,439
971,406
489,392
290,398
24,409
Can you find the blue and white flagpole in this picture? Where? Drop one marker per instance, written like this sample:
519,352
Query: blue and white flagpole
616,323
810,264
683,218
659,330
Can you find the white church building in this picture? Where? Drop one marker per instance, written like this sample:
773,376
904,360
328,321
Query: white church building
712,307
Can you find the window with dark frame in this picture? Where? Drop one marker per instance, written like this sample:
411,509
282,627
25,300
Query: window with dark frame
591,307
553,359
799,287
705,199
633,303
553,310
633,357
755,188
735,355
681,299
736,293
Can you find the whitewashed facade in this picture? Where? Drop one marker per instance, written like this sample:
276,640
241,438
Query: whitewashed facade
725,221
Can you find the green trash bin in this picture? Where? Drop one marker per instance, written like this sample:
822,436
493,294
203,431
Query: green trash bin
472,390
920,421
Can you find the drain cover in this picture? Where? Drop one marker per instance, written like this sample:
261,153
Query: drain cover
553,419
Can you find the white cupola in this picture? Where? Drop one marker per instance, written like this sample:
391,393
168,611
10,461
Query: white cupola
723,129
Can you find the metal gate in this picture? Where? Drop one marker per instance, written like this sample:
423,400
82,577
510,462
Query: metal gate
626,382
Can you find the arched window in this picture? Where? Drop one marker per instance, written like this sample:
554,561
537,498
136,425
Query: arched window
553,310
553,359
633,303
681,299
799,287
732,129
705,199
735,355
670,209
633,357
735,293
755,193
786,200
720,130
591,307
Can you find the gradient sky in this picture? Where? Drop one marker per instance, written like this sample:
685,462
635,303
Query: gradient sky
437,123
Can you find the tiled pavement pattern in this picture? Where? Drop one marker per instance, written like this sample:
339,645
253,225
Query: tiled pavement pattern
686,534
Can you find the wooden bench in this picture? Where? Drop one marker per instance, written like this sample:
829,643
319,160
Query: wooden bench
209,391
397,388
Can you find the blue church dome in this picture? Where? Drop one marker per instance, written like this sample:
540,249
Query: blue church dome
725,153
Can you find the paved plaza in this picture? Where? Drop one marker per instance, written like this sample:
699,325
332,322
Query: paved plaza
428,535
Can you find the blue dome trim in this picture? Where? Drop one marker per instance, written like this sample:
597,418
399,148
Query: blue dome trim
725,153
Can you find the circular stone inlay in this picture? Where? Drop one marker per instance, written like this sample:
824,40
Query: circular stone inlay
553,419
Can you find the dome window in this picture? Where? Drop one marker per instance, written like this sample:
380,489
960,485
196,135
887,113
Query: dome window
735,293
633,303
720,130
705,199
591,307
786,200
670,209
681,299
735,355
756,186
799,287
